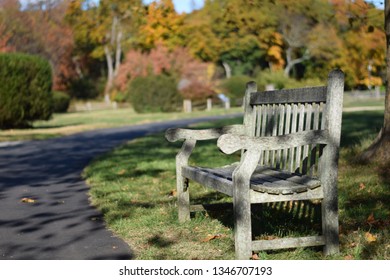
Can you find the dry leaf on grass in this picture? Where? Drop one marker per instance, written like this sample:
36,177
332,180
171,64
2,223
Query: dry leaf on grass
371,220
369,237
123,171
27,200
255,257
172,193
362,186
349,257
212,237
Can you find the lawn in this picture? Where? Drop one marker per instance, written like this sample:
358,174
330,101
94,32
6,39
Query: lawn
70,123
134,187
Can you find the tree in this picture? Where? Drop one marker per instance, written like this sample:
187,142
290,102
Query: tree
379,150
103,31
162,26
40,29
235,34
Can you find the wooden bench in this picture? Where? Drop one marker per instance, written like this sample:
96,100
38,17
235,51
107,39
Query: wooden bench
289,144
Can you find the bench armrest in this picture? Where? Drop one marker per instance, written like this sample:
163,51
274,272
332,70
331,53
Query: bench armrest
175,134
229,143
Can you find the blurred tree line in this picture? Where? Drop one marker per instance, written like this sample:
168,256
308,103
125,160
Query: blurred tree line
100,49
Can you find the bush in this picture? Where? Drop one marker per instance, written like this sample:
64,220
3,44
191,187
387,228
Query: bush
25,91
234,88
84,88
280,81
155,93
61,101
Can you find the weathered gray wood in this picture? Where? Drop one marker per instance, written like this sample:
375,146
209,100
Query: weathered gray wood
280,132
283,131
183,197
258,197
285,243
301,116
229,143
290,96
316,125
175,134
209,180
242,204
286,131
305,162
329,161
249,112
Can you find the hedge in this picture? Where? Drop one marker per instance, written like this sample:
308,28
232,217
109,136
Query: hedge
25,90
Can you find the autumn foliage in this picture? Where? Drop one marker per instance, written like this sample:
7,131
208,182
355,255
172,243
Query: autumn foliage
119,40
193,76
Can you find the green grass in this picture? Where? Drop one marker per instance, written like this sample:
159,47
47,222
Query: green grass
134,188
69,123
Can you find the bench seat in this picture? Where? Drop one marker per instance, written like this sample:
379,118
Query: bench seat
283,185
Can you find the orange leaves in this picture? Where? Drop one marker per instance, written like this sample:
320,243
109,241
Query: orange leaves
27,200
212,237
371,220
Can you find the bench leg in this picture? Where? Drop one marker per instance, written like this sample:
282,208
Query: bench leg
330,225
242,226
183,197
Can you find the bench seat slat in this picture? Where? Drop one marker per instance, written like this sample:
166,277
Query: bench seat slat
264,180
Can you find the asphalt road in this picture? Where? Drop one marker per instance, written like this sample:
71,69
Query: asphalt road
56,221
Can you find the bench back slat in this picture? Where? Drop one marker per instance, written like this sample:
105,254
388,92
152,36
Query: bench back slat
289,96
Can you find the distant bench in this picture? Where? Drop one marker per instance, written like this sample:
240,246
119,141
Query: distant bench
289,144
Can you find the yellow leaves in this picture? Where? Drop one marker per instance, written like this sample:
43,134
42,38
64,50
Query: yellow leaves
27,200
369,237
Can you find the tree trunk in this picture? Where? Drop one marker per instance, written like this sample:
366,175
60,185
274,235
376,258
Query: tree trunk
113,65
379,151
292,62
228,69
110,74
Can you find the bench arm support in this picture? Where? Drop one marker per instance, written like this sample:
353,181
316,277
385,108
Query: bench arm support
230,143
175,134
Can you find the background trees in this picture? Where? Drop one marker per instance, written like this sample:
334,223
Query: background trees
98,49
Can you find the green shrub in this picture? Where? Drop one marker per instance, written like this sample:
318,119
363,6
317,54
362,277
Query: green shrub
61,101
155,93
234,88
25,90
84,88
280,81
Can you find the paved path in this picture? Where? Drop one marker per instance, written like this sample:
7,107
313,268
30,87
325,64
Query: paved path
60,224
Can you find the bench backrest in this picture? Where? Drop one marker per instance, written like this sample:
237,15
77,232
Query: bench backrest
280,112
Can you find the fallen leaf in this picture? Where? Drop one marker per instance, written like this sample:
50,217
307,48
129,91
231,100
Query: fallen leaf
371,220
255,257
362,186
270,237
369,237
172,193
27,200
349,257
123,171
212,237
351,245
